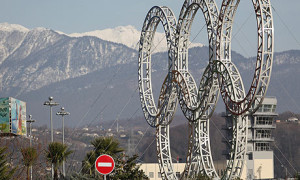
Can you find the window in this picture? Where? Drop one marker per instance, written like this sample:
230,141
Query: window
264,120
267,108
259,109
263,133
262,147
274,107
151,174
250,156
158,175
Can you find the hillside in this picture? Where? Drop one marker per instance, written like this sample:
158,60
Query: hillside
96,80
136,137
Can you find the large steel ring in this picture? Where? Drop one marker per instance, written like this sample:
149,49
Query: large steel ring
263,68
198,105
167,105
194,102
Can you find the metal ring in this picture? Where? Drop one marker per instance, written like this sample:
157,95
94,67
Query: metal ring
195,102
156,15
263,68
221,72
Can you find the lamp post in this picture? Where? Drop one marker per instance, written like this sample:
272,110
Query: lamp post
285,171
30,120
63,113
51,103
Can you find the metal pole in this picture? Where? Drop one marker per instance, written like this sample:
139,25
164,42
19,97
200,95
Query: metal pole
30,120
51,124
30,146
51,103
51,128
63,130
63,141
286,176
63,113
30,134
104,177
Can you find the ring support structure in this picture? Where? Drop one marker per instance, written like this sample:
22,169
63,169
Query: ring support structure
221,76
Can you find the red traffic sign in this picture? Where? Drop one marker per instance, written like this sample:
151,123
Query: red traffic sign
105,164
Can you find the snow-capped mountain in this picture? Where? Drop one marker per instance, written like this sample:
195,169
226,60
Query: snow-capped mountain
89,74
31,59
129,36
6,27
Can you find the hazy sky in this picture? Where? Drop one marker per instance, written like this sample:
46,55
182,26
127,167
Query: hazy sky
72,16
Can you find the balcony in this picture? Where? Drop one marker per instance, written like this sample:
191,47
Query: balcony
263,139
266,113
264,126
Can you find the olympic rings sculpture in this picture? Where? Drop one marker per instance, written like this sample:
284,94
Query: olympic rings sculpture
220,77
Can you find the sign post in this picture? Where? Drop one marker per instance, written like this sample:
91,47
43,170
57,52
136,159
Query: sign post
105,164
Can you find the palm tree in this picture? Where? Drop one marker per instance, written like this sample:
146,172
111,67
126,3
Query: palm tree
106,145
5,171
88,163
102,145
29,158
125,166
56,154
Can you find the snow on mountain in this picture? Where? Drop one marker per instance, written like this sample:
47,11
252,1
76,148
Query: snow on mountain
12,27
129,36
126,35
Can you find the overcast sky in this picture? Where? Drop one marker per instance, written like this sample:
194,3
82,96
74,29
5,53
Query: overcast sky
71,16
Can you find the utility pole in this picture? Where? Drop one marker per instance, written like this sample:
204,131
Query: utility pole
286,176
30,120
63,113
51,103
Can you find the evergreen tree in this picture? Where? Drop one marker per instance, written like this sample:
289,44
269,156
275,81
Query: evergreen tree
5,171
127,168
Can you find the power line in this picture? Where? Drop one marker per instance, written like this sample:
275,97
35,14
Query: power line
141,138
94,102
147,148
281,163
285,157
122,108
284,24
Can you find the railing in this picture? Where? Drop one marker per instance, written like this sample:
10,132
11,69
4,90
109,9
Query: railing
263,139
273,126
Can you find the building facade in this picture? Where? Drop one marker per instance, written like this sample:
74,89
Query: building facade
153,172
260,157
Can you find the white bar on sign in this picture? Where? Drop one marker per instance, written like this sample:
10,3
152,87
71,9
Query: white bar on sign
104,164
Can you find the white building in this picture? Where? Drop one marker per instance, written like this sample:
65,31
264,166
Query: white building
260,156
153,172
293,119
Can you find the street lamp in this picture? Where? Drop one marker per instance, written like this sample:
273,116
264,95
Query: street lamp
51,103
63,113
285,170
30,121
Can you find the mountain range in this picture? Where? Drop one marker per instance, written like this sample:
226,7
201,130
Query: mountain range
94,75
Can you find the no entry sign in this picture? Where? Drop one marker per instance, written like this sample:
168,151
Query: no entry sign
105,164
